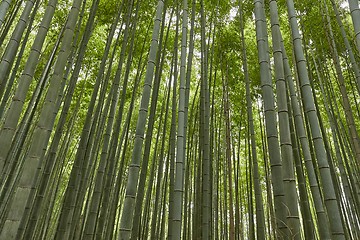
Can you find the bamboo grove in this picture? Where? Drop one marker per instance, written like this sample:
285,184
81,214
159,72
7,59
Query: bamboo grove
179,119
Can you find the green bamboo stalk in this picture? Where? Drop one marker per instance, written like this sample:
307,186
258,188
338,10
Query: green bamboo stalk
331,202
129,203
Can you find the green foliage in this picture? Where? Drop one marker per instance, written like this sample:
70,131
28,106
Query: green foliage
108,10
225,65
